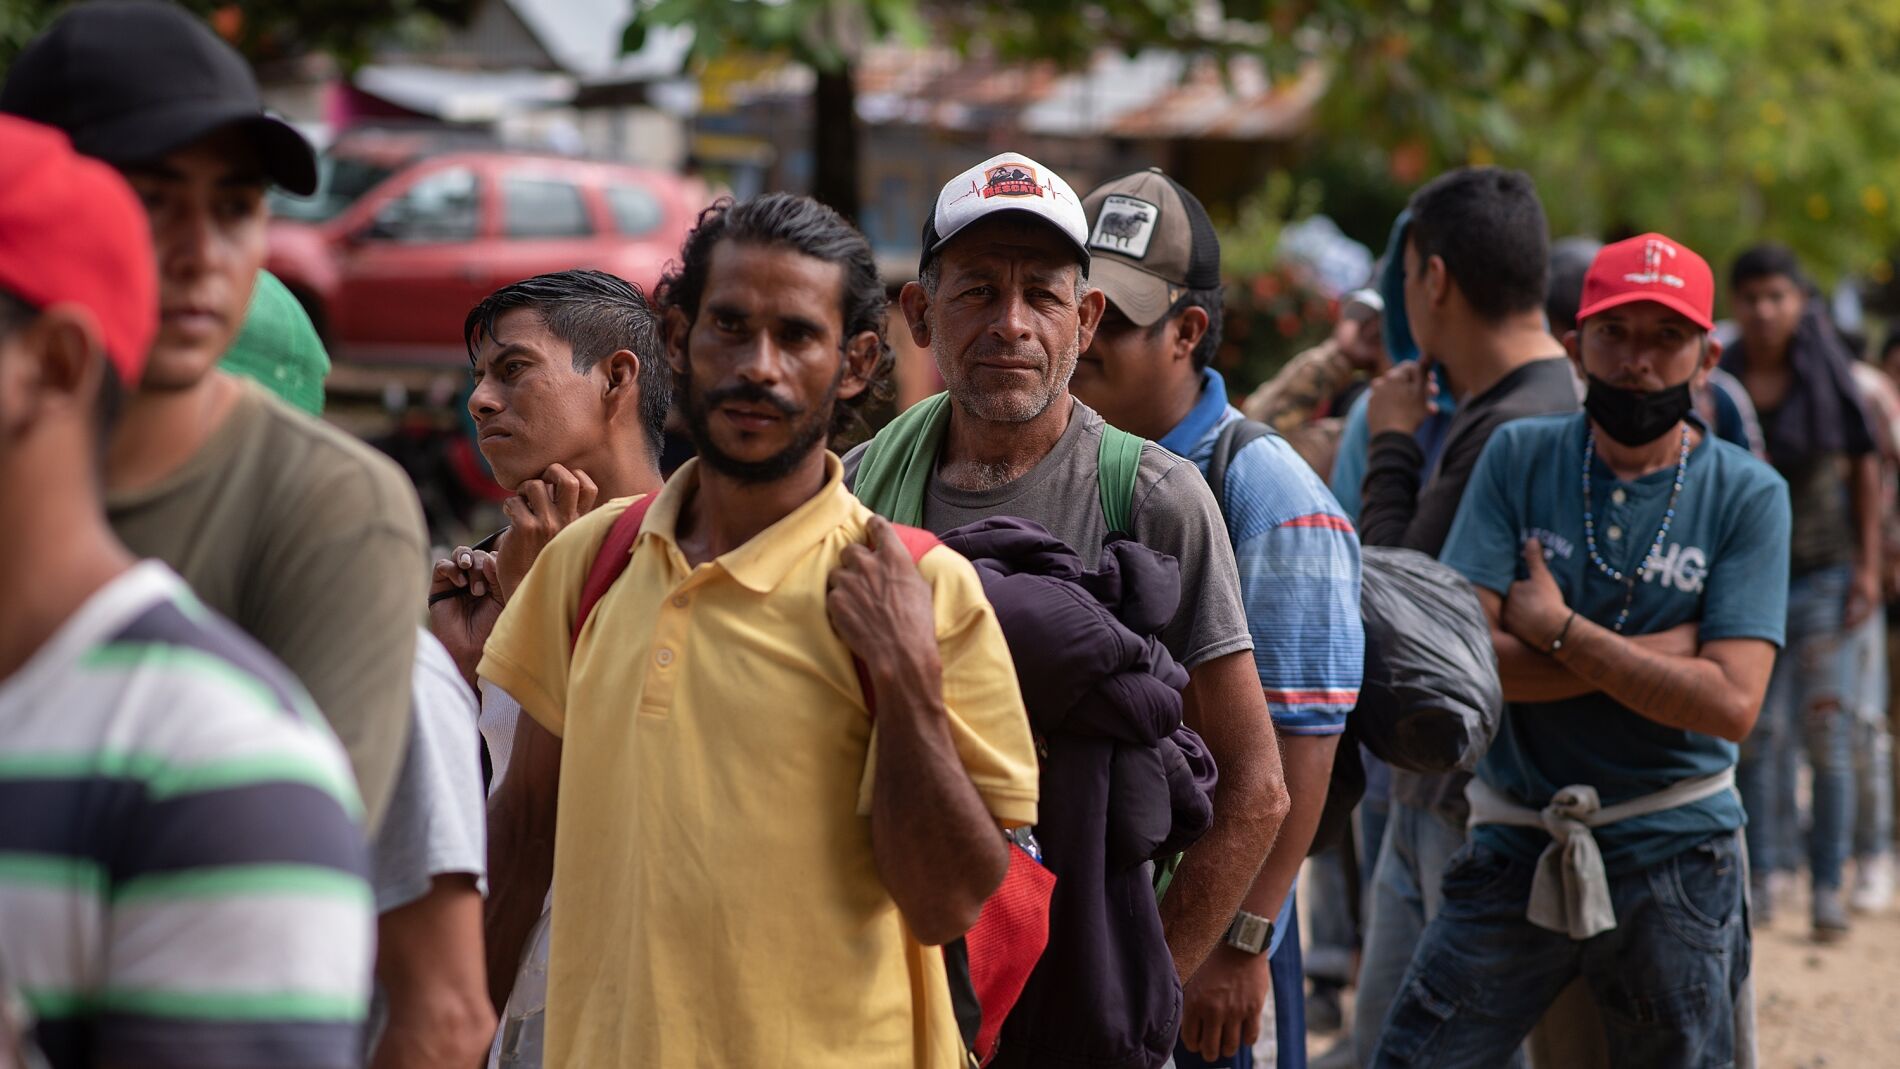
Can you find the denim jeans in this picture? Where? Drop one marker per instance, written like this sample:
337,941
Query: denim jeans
1405,897
1810,704
1873,745
1666,978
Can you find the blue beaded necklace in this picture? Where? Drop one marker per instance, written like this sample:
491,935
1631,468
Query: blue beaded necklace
1655,549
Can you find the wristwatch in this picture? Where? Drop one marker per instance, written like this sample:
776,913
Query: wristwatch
1250,932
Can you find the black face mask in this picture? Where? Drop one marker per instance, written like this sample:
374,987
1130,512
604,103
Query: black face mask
1635,417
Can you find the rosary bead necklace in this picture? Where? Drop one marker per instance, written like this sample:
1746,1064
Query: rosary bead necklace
1655,550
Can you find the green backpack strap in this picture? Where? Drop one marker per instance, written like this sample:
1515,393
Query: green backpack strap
894,472
1119,464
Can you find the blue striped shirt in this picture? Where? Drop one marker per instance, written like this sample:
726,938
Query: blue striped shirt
1299,569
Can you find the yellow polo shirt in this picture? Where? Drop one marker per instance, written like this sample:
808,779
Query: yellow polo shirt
715,898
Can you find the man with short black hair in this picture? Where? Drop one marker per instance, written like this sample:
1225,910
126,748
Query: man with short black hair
1003,303
570,402
1146,371
1475,263
745,872
305,537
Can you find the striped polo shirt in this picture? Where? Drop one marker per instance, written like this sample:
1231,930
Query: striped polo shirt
183,879
1299,569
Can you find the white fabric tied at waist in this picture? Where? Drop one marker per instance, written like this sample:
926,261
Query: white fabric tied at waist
1571,892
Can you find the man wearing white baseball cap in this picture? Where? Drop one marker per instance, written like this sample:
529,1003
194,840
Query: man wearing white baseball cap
1004,305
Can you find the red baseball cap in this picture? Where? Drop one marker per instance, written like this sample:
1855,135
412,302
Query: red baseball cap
1650,267
72,232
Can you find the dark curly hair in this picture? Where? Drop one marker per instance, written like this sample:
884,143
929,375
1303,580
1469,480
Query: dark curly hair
802,224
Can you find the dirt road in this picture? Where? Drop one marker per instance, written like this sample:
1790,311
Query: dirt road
1828,1007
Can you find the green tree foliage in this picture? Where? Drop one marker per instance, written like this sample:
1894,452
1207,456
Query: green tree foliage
266,30
1722,124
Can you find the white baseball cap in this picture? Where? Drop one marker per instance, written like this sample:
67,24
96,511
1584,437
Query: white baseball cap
1009,182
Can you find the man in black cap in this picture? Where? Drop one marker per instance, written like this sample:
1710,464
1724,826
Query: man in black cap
306,538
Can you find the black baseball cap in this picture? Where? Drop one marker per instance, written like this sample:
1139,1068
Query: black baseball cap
132,80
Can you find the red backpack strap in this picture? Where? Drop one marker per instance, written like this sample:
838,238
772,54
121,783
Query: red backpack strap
917,542
610,561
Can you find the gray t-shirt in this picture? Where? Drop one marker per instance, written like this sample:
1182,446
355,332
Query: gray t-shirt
437,819
1173,512
437,816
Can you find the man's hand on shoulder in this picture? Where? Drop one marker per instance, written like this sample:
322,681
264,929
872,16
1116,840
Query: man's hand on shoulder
880,604
464,603
540,509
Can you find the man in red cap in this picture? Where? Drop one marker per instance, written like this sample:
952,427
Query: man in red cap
305,537
1635,569
184,881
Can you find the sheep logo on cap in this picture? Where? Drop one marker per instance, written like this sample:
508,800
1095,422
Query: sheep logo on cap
1126,226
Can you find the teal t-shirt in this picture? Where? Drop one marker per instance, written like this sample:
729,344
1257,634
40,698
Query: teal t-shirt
1725,564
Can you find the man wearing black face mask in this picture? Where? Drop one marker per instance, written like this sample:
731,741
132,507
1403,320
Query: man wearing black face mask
1635,572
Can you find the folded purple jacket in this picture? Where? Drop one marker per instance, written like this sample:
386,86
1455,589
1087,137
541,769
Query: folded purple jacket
1124,782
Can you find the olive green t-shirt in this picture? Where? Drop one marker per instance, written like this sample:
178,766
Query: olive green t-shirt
313,543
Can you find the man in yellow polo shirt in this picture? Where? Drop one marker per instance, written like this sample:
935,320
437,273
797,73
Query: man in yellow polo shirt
750,875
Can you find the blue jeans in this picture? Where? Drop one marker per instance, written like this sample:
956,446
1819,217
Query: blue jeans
1666,978
1873,745
1405,897
1289,1005
1810,705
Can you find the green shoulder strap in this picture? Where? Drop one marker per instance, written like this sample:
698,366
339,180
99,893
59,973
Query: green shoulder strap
894,472
1119,461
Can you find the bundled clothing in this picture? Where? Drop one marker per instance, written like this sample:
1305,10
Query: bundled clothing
1124,782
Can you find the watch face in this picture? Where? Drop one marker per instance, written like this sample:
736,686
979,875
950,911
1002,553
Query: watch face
1250,933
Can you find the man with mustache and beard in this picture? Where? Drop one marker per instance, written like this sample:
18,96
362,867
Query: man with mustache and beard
1003,303
744,872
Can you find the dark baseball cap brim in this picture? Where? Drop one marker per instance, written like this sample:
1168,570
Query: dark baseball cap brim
149,134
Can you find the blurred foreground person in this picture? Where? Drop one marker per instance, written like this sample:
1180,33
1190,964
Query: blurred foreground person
1635,619
744,871
182,875
306,538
